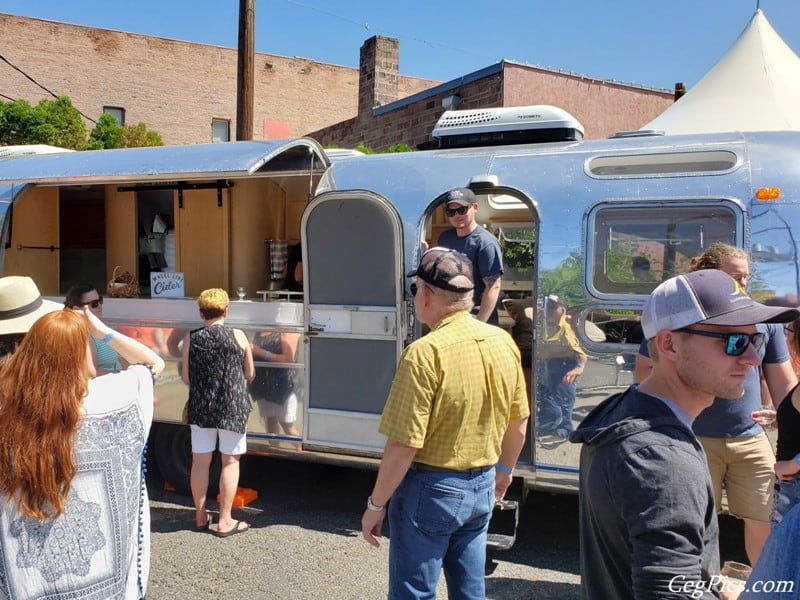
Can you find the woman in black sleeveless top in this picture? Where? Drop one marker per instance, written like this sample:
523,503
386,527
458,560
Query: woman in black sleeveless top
216,362
787,454
293,281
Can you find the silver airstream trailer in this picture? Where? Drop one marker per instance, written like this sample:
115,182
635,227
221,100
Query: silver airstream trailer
573,217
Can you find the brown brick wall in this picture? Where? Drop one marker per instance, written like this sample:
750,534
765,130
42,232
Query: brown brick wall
602,107
411,124
175,87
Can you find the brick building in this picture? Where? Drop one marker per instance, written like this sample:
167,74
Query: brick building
603,107
177,88
187,91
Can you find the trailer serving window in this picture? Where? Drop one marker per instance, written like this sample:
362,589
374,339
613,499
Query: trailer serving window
637,247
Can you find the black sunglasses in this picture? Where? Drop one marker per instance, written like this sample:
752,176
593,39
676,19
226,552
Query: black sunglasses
735,343
93,303
413,287
452,212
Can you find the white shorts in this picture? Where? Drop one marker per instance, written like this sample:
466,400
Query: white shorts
230,442
285,413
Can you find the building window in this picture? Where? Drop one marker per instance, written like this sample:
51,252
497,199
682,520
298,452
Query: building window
117,112
220,130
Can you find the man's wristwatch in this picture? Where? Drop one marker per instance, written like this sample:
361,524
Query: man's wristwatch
374,507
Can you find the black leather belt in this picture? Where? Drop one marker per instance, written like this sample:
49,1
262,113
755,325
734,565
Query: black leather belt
474,471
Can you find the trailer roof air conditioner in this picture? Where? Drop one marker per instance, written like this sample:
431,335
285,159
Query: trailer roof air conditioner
502,126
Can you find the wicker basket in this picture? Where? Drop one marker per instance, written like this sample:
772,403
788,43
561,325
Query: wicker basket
122,285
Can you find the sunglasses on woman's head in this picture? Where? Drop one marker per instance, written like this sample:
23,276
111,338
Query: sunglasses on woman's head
735,343
452,212
93,303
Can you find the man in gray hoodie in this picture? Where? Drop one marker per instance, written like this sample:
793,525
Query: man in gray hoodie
648,528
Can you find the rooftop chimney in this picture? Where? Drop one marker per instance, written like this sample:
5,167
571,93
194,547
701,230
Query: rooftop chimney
377,81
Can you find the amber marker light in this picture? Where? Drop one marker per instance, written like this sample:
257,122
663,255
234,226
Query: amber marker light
768,193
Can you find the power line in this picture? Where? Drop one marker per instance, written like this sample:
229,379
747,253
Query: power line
401,36
24,74
51,92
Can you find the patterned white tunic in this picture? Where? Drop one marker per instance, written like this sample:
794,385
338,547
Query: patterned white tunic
99,547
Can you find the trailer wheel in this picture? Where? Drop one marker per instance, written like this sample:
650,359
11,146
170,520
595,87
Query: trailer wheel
172,449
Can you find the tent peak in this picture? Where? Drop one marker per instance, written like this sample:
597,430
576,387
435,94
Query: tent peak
754,86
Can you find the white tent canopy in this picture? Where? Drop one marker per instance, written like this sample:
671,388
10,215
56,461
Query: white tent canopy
755,86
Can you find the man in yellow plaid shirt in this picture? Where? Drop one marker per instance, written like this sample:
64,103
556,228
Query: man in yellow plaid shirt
455,420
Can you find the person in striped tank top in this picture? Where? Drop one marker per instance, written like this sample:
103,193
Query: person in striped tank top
106,360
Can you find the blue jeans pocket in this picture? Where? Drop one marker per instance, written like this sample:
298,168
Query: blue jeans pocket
437,509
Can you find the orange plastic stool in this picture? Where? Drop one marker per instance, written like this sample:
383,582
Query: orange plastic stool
243,497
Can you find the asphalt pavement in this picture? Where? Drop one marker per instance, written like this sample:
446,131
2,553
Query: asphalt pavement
305,542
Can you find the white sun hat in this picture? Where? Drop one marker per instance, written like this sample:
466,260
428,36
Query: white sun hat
21,304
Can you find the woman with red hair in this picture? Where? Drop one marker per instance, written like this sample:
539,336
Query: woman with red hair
74,518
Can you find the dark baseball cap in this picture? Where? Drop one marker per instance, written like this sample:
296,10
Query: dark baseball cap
445,269
461,196
710,297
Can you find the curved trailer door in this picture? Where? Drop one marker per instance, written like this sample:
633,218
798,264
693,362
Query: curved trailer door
352,262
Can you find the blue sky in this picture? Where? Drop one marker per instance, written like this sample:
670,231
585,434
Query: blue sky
647,42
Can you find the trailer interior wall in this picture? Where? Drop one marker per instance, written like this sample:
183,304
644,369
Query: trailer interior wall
214,245
35,225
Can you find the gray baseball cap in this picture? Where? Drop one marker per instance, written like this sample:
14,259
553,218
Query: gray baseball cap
707,296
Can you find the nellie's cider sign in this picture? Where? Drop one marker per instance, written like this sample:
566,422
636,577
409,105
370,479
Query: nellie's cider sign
166,285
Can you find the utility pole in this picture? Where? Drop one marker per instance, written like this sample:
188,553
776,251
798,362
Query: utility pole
246,70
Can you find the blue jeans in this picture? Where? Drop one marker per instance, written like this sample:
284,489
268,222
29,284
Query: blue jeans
438,520
787,494
555,399
777,562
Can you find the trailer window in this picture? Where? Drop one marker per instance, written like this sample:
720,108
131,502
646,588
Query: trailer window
636,248
638,165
